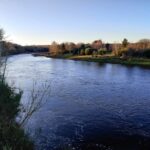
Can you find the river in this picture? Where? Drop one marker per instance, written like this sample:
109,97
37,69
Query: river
90,105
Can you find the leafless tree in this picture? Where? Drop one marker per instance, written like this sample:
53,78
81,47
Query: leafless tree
54,48
37,98
3,55
97,44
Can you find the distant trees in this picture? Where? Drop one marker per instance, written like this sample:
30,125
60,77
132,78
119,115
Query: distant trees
108,47
125,43
70,47
3,60
1,41
97,44
144,43
62,48
12,48
54,48
102,51
82,52
139,49
1,35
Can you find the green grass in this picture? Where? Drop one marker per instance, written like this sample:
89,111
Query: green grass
107,58
115,60
12,137
64,56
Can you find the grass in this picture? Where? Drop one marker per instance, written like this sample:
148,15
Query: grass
107,58
12,137
64,56
114,60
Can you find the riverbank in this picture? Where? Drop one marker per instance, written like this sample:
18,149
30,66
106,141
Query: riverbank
12,137
130,61
115,60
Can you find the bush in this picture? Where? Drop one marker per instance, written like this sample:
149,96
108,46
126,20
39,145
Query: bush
11,135
146,53
82,52
102,51
130,52
94,54
88,51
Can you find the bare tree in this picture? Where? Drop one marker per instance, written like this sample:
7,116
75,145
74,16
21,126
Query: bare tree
144,44
1,45
97,44
3,55
54,48
1,34
37,98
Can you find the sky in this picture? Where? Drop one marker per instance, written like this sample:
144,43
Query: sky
38,22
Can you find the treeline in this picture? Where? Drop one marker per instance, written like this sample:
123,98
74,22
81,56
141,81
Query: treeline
138,49
80,48
12,48
124,49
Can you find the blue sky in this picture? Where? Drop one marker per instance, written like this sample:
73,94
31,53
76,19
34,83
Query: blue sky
43,21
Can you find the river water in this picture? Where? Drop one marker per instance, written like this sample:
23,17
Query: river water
91,106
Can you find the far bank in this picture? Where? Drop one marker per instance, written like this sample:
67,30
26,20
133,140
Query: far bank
130,61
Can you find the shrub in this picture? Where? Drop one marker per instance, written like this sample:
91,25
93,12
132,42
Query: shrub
94,54
102,51
11,135
132,52
146,53
88,51
82,52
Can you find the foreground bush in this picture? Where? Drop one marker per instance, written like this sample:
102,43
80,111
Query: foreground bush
12,137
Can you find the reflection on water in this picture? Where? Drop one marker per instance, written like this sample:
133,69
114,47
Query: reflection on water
89,103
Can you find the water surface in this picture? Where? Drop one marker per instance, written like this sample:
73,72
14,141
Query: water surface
89,103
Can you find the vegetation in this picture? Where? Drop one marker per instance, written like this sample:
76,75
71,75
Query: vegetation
13,48
102,51
125,43
12,137
122,53
82,52
115,60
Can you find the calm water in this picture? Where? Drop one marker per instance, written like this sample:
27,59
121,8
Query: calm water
89,103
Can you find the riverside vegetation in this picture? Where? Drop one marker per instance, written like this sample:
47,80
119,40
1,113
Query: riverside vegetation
12,136
128,53
118,53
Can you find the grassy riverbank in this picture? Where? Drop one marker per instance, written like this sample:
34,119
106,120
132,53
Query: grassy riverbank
12,137
130,61
114,60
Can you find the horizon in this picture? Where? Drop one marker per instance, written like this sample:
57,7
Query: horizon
33,22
